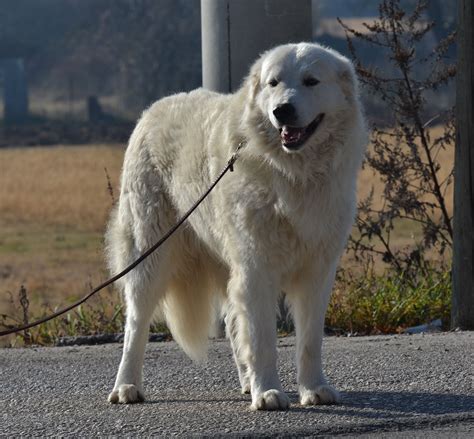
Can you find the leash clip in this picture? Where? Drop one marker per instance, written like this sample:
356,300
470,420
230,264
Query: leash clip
235,155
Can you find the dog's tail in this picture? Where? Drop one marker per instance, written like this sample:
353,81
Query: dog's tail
187,309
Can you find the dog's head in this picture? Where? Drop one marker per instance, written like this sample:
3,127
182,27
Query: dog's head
294,93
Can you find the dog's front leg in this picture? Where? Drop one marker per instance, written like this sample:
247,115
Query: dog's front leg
252,297
309,303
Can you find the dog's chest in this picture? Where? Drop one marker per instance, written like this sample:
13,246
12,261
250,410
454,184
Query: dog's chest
296,224
303,215
283,224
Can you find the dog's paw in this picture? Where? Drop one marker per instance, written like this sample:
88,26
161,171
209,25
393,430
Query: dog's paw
126,394
271,400
245,385
245,389
324,394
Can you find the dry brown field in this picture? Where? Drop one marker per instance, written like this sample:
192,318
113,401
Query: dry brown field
54,204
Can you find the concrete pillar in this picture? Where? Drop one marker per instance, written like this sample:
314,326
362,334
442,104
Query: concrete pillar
235,32
15,91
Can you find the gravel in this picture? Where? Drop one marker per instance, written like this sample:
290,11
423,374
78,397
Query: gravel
393,386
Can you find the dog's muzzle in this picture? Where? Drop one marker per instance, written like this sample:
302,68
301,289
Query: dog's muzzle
293,138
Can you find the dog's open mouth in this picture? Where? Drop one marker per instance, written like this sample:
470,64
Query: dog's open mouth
294,137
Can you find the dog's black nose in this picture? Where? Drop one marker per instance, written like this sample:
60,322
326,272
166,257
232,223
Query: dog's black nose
285,114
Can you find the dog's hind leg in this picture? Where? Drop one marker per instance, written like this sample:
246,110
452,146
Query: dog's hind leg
242,368
135,227
141,301
143,288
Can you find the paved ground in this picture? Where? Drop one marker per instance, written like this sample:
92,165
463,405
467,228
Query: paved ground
392,386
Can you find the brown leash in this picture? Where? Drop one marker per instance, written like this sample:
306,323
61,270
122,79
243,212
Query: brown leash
229,167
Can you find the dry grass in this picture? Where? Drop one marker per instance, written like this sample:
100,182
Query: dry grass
58,186
54,203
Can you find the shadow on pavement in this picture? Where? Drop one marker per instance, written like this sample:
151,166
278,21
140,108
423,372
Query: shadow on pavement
375,404
385,404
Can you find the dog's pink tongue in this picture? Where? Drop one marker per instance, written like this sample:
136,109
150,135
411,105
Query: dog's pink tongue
291,134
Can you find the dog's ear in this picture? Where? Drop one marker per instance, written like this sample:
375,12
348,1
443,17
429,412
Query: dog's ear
347,78
252,81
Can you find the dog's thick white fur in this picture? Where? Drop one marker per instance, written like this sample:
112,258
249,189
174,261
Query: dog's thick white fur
279,222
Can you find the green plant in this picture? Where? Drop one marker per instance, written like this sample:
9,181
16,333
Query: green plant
372,303
103,315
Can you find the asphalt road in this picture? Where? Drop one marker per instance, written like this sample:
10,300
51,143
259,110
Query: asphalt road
392,386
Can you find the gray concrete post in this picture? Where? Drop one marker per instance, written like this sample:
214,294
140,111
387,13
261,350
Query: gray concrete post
215,45
15,91
235,32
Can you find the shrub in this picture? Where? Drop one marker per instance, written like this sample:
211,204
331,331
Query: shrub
387,303
405,156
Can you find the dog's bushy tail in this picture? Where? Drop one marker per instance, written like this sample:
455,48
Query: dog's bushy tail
187,308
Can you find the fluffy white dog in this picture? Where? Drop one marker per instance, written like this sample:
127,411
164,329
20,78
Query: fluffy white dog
278,223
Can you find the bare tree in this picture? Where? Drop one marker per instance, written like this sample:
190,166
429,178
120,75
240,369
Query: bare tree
157,46
405,157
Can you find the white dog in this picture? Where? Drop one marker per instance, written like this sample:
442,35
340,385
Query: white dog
278,223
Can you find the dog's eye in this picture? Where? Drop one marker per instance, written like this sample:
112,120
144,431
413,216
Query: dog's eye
310,81
273,82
